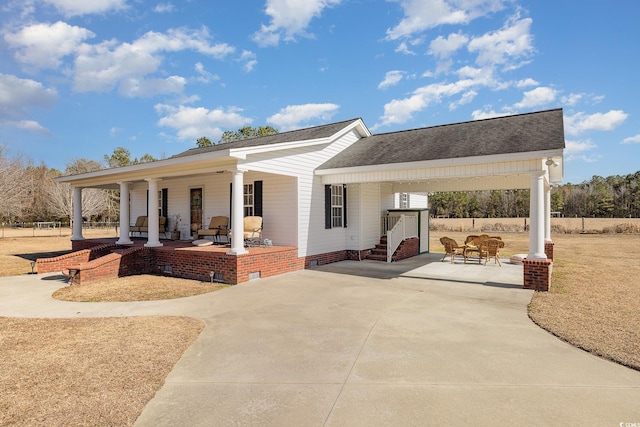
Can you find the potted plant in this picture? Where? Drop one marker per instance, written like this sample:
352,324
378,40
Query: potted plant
175,233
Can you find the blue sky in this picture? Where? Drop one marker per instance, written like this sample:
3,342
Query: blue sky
79,78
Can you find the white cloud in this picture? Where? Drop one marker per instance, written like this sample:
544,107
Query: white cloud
17,95
444,47
85,7
526,83
28,125
404,48
164,8
466,98
249,59
572,99
511,42
205,76
487,114
289,19
44,45
579,151
632,140
399,111
391,78
296,116
110,64
421,15
582,122
537,97
576,147
194,122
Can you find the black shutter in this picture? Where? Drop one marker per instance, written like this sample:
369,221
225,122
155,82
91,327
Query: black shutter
327,206
165,202
147,202
257,198
344,205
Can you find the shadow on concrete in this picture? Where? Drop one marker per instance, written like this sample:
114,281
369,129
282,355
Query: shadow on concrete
35,255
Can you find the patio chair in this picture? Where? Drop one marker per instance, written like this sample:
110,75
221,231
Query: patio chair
452,248
472,247
141,221
491,249
218,226
253,230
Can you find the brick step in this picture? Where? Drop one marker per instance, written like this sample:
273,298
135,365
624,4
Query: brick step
377,257
377,250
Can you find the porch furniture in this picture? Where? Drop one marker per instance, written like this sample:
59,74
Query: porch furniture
202,242
452,248
472,246
490,248
141,221
143,226
218,226
252,230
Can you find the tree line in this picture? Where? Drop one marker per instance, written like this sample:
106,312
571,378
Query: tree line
616,196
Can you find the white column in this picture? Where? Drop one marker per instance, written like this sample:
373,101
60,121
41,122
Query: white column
536,213
237,214
124,215
547,213
153,234
77,214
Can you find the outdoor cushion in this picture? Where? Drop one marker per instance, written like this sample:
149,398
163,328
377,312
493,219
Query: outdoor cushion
202,242
517,258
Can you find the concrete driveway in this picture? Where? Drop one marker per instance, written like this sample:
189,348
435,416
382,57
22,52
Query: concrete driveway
416,342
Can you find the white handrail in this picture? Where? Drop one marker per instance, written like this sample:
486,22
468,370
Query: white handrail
405,228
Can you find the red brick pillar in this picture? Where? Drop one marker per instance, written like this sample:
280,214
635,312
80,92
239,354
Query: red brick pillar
548,250
537,274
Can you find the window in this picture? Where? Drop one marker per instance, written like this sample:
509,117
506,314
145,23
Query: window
248,200
160,204
335,208
404,200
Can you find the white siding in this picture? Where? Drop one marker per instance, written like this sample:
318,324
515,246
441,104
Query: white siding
371,215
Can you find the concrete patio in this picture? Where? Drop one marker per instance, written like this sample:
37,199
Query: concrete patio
417,342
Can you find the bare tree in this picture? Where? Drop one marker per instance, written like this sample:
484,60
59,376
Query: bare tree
13,192
94,200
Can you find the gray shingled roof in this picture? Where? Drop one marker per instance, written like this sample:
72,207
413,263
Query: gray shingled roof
316,132
537,131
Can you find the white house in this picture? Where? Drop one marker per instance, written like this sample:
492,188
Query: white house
325,190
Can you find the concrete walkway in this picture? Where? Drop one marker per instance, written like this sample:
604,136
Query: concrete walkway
367,344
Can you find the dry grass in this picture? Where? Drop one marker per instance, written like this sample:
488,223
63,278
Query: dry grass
595,296
595,291
136,288
86,372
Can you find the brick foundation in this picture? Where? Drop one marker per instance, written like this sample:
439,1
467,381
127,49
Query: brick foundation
537,274
548,250
93,260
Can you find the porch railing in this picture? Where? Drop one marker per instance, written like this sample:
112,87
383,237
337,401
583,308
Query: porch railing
406,226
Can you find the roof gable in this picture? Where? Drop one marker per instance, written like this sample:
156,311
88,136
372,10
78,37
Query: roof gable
539,131
316,132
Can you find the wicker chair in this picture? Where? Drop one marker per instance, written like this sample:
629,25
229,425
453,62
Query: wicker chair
490,248
452,248
472,246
